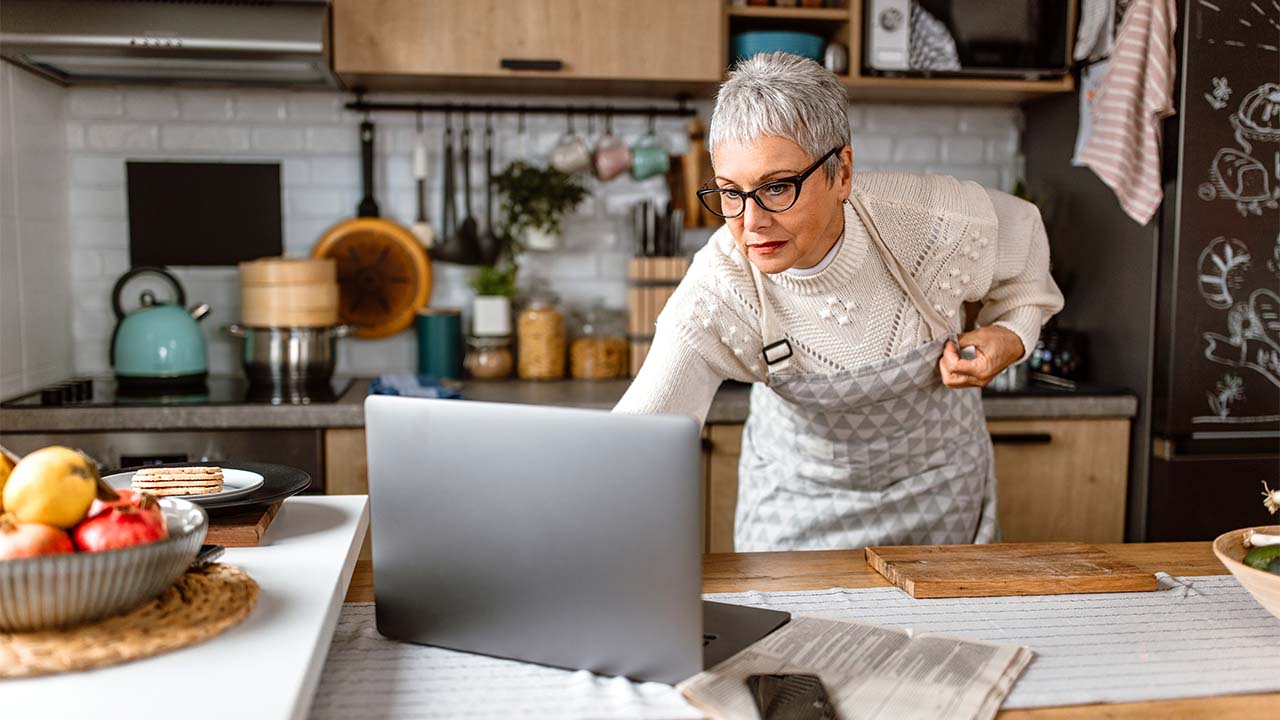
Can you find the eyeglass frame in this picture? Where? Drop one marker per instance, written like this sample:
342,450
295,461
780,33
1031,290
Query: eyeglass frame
796,180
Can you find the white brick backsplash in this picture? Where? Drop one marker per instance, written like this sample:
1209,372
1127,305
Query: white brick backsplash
314,107
86,264
278,139
205,138
97,171
206,106
915,150
910,119
315,140
335,171
75,136
89,233
990,121
962,150
93,323
98,202
295,172
319,203
1001,151
122,137
151,105
333,139
96,103
871,148
260,107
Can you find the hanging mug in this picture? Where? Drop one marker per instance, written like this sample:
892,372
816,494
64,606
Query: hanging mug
571,154
649,156
612,156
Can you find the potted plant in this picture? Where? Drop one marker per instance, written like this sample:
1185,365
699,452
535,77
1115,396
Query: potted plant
534,202
494,285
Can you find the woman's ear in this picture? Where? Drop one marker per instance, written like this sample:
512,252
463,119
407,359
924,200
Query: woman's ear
846,169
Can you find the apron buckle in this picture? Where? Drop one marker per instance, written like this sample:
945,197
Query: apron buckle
773,352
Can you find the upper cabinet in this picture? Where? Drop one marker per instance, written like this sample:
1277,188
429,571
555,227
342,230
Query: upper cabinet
424,43
633,47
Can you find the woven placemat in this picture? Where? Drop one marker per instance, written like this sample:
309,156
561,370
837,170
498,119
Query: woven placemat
201,604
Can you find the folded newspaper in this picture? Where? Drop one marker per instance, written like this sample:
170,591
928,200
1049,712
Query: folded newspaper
869,671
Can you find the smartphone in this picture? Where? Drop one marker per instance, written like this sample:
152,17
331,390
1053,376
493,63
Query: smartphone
795,696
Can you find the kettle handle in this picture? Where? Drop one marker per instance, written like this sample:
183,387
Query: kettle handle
181,300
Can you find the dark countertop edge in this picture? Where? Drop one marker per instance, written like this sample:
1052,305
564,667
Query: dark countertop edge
729,407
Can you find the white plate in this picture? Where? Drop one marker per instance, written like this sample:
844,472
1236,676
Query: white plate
234,484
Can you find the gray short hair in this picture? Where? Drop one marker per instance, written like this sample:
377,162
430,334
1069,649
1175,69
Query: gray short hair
782,95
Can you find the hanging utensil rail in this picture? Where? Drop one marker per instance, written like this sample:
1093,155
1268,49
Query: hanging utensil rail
363,106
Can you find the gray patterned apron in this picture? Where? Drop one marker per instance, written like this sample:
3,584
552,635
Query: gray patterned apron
882,454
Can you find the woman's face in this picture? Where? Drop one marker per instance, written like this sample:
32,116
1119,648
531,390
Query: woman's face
801,235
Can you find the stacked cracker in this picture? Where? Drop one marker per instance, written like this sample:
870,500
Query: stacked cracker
178,480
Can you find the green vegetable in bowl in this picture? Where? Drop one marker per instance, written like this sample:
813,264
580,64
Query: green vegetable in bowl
1273,567
1261,557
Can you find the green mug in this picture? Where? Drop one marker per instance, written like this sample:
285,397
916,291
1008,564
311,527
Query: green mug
649,158
440,343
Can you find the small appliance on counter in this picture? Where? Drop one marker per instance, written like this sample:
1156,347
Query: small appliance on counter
289,327
159,345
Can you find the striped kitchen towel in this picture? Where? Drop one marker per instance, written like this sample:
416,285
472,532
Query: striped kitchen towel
1134,96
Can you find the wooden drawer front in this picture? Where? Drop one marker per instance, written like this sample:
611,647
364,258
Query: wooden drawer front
1061,479
612,39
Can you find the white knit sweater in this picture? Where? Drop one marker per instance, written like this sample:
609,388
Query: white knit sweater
959,241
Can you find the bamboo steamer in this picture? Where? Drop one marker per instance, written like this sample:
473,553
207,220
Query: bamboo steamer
289,292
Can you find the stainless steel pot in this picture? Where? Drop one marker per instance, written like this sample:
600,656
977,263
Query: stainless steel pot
289,356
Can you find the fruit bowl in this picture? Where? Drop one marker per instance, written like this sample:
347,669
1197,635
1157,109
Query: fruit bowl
59,591
1262,585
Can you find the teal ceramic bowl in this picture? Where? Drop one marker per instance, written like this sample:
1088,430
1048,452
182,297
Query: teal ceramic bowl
753,42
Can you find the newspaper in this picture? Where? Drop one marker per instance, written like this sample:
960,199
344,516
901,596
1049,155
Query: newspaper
869,671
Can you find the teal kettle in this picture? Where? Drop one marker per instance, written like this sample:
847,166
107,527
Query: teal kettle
157,344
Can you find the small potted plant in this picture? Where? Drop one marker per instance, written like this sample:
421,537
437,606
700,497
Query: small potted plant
534,202
494,285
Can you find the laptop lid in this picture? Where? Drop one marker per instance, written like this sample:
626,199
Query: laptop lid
558,536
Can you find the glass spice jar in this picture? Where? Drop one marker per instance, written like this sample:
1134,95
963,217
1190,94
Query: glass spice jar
540,333
599,349
489,358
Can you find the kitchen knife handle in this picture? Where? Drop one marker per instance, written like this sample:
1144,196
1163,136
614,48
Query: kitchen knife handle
522,64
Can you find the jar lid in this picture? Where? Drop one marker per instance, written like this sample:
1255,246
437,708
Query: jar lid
488,343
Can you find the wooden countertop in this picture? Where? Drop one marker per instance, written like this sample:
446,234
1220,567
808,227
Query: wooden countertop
735,572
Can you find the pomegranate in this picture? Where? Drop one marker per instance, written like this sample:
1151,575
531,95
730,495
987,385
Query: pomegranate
134,519
24,540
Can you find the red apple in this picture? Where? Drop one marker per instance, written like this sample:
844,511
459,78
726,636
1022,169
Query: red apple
24,540
134,519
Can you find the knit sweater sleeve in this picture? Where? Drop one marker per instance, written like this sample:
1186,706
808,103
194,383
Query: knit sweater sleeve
698,343
1023,295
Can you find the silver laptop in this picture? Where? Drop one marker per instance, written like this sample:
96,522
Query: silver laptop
557,536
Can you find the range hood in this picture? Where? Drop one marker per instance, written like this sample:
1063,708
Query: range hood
241,41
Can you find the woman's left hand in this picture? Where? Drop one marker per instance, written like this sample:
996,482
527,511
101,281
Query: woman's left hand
997,348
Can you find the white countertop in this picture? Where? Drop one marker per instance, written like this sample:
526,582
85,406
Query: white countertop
266,667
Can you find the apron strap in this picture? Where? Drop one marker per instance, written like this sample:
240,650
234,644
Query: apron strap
777,349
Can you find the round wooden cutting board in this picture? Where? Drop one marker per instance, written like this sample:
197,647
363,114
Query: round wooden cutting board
384,274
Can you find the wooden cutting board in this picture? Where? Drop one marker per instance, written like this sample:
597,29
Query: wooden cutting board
243,529
943,571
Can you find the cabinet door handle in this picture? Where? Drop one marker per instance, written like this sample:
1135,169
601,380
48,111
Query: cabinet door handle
520,64
1022,438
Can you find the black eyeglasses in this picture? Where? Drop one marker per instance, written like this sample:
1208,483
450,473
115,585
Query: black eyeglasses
775,196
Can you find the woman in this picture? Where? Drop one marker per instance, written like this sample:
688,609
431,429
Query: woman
840,296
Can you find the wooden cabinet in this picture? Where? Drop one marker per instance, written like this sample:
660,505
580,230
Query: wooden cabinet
655,40
1056,479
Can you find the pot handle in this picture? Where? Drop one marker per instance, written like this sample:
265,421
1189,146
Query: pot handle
199,311
341,331
236,330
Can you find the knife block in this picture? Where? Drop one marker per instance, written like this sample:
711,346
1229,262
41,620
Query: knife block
650,281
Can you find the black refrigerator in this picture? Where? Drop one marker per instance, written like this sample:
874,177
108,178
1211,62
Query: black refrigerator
1185,311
